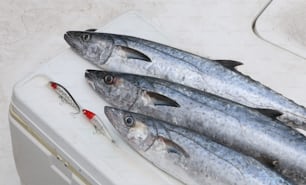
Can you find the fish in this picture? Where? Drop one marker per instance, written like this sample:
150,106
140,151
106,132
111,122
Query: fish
129,54
65,95
186,155
254,132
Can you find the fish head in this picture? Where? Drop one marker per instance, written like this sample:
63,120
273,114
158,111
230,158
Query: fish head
94,47
113,88
137,130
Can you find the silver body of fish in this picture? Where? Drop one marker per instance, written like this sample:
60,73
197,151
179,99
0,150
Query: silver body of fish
188,156
134,55
244,129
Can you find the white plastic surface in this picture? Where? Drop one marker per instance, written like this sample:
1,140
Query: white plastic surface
283,24
99,160
36,165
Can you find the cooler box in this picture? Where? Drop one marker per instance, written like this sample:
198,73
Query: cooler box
54,146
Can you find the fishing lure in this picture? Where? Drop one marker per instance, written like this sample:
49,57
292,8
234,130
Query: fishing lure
65,96
97,123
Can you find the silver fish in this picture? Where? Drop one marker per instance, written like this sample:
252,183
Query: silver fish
254,132
134,55
188,156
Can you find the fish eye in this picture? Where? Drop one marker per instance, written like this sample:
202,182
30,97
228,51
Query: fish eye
85,37
109,79
129,121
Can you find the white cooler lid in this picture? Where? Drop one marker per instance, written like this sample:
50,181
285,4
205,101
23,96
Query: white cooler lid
92,154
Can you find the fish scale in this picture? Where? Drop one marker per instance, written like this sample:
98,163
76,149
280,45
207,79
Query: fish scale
157,60
188,156
239,127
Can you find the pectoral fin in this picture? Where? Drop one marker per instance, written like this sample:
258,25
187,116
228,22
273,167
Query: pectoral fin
132,53
161,100
269,112
172,147
230,64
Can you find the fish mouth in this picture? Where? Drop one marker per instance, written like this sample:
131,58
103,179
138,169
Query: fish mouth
88,75
110,113
90,78
97,74
91,74
70,40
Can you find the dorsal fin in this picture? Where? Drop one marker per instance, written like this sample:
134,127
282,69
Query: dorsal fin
91,30
161,100
130,53
269,112
230,64
173,147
